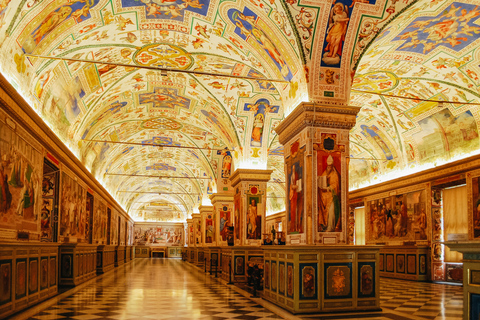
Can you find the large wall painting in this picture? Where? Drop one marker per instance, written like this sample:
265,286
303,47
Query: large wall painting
20,182
476,207
397,217
49,188
100,221
158,234
295,201
73,213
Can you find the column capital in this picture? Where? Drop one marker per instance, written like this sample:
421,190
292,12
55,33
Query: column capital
221,197
250,175
309,114
205,209
196,216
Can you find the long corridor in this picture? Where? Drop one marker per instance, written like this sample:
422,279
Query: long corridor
172,289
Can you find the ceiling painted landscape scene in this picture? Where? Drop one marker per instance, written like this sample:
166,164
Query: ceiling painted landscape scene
163,99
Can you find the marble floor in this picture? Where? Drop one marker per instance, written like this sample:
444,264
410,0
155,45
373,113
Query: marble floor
172,289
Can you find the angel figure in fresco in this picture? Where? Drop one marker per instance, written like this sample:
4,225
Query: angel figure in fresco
337,28
257,130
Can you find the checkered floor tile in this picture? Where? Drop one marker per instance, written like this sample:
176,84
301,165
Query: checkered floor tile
172,289
156,289
425,300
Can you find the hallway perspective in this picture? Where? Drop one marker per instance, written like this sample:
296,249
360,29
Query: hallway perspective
172,289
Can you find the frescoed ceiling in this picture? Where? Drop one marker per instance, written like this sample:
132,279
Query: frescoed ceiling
429,54
99,72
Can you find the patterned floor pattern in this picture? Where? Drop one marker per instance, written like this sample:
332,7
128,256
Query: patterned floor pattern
425,300
172,289
155,289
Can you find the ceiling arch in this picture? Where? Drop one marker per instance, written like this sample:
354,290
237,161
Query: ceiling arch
95,72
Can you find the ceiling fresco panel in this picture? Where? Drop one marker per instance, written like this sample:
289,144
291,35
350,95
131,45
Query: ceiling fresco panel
240,68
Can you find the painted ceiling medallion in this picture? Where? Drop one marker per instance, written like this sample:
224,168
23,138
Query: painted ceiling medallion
161,124
376,81
162,55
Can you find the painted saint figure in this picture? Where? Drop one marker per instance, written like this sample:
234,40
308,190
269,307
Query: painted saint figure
252,220
337,28
329,200
257,130
294,197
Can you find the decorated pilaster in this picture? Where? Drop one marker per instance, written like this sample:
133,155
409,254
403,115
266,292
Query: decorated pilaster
208,225
316,149
197,229
223,208
249,205
190,239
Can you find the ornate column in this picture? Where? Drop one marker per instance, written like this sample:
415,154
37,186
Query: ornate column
190,235
197,229
190,241
208,225
316,141
249,205
223,210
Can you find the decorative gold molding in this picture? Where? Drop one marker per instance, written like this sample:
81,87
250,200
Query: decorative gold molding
221,197
309,114
430,175
251,175
205,209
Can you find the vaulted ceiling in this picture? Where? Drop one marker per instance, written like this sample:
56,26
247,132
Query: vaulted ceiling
238,64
